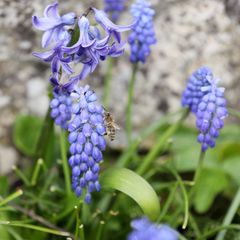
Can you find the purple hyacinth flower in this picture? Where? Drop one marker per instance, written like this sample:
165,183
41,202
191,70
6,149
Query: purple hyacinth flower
143,34
114,7
109,26
193,93
90,49
61,108
52,23
210,115
143,229
57,58
86,142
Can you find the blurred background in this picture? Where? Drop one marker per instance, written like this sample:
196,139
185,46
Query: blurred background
190,33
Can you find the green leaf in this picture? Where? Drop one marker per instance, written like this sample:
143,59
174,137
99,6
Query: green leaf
26,133
210,183
3,231
34,227
134,186
186,158
231,166
4,185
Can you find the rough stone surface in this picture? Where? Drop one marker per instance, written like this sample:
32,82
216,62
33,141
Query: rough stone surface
8,157
190,33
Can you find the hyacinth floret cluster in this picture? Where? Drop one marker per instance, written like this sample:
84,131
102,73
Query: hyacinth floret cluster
210,115
193,93
206,100
143,229
87,142
61,108
114,7
143,34
95,42
80,114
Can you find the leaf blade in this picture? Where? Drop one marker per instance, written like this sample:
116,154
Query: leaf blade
135,187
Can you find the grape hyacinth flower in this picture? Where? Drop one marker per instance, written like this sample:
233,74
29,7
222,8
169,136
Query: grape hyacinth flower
210,115
114,7
86,131
206,100
143,34
61,108
193,94
143,229
52,23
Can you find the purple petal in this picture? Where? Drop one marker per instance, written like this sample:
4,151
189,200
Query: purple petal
69,18
46,56
52,11
44,24
46,38
66,68
55,65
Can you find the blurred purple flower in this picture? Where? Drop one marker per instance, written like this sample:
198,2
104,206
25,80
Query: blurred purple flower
143,229
143,34
114,7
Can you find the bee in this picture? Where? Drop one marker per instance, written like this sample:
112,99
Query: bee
110,125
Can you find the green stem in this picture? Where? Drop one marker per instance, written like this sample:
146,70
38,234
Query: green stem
160,143
214,231
81,228
11,197
77,223
34,227
36,171
168,202
230,214
44,137
199,167
21,175
100,230
130,102
185,196
194,225
65,162
107,83
197,173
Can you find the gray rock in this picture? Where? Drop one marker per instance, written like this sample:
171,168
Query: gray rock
8,157
4,100
37,100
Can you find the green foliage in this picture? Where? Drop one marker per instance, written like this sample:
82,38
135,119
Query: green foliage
167,170
135,187
210,183
26,133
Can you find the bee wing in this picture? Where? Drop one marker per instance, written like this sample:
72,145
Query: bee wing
117,127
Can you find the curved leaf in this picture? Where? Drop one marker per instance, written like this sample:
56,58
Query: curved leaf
134,186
